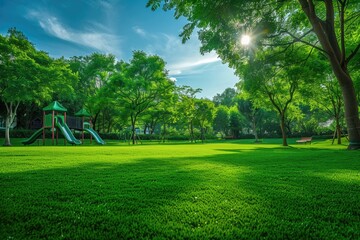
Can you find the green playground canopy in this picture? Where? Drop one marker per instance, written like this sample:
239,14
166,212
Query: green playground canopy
55,106
83,113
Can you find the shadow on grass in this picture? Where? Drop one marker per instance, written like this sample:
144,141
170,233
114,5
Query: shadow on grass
267,193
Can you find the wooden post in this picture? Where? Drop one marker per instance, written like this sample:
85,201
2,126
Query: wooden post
52,126
43,128
64,123
90,122
82,129
57,134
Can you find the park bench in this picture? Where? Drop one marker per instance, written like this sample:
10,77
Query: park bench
304,140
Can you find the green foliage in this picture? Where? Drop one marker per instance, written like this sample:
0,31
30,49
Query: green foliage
186,108
204,114
222,120
140,85
235,122
93,71
226,98
27,74
279,28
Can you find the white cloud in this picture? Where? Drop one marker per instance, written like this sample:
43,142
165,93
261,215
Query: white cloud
105,4
174,72
96,38
179,67
139,31
52,26
182,59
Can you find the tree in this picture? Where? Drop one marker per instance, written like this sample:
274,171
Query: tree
204,114
163,114
94,72
151,119
140,85
222,120
226,98
330,27
334,45
268,83
27,74
251,113
186,107
329,99
235,122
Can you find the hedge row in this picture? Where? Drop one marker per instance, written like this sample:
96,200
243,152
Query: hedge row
25,133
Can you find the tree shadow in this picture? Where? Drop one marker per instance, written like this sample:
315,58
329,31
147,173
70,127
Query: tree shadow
312,194
284,194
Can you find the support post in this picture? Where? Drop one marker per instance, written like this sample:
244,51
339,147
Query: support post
64,123
43,128
52,126
82,129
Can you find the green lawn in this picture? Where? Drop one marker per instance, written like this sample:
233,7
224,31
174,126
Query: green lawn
226,190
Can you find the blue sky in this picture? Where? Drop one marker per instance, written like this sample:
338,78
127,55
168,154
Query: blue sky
80,27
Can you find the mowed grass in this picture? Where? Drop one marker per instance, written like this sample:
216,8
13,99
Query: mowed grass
226,190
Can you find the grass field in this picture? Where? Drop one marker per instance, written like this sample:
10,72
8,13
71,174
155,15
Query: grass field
225,190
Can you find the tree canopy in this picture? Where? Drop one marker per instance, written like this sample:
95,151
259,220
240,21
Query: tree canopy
27,74
140,85
326,26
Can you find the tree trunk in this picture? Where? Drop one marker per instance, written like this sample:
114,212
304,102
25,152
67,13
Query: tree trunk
191,132
133,129
145,127
94,122
10,117
253,124
202,134
109,126
164,133
7,131
351,114
283,129
325,31
338,130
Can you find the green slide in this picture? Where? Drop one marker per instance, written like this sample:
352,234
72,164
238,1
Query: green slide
33,137
66,131
95,135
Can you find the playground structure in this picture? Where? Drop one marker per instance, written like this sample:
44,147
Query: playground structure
57,122
87,127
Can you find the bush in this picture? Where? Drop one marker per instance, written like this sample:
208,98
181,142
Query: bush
22,133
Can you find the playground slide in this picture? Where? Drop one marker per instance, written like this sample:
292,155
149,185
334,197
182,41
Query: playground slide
66,132
95,135
33,137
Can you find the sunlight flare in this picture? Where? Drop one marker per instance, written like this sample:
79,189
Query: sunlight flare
245,40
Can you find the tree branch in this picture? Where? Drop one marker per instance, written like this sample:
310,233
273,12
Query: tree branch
342,32
299,39
353,53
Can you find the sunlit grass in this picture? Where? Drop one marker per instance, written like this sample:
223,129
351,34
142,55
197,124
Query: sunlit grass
226,190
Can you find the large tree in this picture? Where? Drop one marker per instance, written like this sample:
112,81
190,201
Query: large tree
94,71
186,108
329,26
27,74
274,82
140,84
